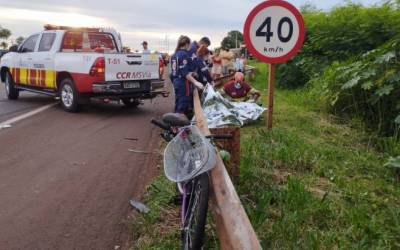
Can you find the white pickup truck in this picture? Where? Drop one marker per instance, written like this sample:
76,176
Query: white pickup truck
77,64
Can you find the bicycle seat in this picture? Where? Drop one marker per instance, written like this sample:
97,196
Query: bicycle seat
175,120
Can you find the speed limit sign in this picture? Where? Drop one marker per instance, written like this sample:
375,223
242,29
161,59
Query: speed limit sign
274,33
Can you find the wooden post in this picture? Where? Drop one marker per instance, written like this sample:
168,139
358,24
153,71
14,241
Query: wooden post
232,146
271,83
234,229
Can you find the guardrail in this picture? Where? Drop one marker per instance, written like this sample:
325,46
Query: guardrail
249,71
233,226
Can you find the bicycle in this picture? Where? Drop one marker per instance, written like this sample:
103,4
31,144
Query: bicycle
188,158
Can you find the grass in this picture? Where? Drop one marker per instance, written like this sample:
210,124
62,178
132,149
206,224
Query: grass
313,182
316,182
160,228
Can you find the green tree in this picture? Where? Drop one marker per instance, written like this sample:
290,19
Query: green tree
233,40
19,40
393,3
309,7
4,33
4,45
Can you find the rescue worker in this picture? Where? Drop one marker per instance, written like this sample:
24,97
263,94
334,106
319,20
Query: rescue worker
239,90
145,48
203,74
194,46
182,78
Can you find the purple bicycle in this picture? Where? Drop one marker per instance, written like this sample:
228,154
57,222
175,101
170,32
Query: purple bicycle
188,158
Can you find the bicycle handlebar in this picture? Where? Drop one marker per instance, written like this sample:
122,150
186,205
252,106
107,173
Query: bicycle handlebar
161,124
166,127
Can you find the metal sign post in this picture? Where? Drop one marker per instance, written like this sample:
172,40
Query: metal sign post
274,33
271,86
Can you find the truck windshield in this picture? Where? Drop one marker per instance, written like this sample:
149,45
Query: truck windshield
88,42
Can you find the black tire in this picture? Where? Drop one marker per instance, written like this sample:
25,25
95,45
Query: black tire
68,95
11,91
196,215
131,102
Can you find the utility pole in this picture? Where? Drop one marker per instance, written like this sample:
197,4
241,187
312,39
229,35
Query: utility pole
236,40
167,43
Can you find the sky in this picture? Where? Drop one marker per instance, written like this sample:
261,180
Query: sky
160,22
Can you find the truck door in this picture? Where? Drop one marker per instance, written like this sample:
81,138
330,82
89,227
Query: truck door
26,73
43,62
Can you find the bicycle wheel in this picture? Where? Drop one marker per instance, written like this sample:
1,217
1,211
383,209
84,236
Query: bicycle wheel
196,213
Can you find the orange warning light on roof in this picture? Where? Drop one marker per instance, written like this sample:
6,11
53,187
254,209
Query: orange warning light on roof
82,29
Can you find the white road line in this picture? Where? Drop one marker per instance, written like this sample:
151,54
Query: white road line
6,124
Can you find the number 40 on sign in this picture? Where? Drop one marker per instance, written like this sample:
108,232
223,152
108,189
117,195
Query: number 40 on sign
274,33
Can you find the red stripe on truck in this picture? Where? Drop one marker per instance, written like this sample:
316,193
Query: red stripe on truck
84,82
43,78
32,77
17,74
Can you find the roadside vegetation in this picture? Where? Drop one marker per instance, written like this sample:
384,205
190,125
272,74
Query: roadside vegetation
328,175
351,60
317,181
160,228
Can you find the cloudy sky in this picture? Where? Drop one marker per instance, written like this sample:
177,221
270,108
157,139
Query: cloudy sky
156,21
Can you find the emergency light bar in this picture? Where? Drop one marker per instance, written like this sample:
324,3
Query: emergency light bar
81,29
112,31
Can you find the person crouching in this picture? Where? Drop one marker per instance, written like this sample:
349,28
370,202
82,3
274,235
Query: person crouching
239,90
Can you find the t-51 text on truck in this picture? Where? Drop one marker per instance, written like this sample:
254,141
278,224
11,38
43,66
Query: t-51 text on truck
77,64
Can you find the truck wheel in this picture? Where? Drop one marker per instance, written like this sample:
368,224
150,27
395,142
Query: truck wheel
68,95
11,91
131,102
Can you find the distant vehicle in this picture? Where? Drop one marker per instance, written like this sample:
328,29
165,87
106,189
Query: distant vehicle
3,52
77,64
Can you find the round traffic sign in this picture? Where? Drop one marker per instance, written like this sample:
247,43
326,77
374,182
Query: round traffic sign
274,31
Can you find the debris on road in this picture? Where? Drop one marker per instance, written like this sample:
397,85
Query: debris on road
139,151
2,126
131,139
145,152
78,163
139,206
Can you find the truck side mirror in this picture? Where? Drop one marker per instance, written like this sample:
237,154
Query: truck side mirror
13,48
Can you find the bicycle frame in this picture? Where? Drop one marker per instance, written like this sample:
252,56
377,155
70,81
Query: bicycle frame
194,192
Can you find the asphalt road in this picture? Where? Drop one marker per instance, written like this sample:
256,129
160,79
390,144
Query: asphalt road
27,102
65,179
